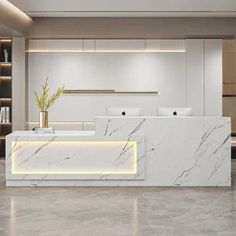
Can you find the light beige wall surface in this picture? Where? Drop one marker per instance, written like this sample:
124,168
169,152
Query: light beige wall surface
229,80
18,84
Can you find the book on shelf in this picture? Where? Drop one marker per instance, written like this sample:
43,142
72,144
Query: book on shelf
5,115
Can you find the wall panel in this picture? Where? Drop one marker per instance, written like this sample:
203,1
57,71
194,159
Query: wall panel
195,75
213,77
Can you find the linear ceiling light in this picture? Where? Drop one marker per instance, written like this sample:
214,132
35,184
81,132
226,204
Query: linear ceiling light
59,50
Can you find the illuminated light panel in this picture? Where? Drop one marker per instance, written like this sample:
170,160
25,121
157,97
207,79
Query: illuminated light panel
160,51
52,50
133,168
145,50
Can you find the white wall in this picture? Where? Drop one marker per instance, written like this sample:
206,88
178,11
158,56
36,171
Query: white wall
162,72
180,79
18,84
213,77
195,61
204,76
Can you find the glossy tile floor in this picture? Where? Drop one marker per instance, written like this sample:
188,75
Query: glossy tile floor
130,211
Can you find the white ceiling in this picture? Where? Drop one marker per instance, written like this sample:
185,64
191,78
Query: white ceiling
7,32
69,8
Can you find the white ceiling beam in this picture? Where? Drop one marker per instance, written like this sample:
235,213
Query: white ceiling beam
13,18
111,8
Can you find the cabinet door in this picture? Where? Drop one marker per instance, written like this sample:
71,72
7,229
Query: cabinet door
56,45
165,45
119,45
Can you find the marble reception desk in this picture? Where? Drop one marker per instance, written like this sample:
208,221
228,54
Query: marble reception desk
184,151
131,151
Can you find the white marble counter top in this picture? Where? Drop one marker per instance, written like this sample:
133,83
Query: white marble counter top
159,117
56,133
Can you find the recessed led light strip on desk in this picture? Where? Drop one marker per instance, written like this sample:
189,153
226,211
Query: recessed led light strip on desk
109,91
103,146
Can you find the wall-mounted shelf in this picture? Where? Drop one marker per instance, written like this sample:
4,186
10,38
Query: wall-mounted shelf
5,63
106,91
105,45
229,95
5,77
5,123
5,99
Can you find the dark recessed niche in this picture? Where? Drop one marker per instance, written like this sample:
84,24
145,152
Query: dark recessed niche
5,89
5,45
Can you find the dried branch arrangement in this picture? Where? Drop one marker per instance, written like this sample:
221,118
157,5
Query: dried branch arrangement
43,101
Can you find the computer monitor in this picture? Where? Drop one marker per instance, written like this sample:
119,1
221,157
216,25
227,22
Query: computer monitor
174,111
123,111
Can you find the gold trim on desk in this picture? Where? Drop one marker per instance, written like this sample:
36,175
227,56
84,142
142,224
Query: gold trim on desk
106,91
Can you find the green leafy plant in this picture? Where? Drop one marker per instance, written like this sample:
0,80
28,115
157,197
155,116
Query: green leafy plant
43,101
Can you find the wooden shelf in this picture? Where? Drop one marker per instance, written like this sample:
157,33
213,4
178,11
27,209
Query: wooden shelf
5,77
108,91
5,99
229,95
5,63
5,123
5,40
2,137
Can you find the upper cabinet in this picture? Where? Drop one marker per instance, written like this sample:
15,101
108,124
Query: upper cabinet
107,45
54,45
120,45
165,45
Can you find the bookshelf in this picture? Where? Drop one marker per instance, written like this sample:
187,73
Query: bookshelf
5,88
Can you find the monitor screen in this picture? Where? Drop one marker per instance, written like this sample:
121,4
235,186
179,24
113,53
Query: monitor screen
174,111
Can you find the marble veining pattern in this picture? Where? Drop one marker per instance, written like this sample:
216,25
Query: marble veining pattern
42,158
179,152
172,152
